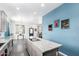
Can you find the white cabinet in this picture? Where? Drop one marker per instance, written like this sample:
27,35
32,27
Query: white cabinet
3,19
35,51
6,49
32,49
29,47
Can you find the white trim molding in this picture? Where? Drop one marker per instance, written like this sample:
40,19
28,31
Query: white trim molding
62,54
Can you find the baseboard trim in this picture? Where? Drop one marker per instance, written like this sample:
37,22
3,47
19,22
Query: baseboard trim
62,54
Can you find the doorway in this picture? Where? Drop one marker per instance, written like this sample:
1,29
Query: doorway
20,31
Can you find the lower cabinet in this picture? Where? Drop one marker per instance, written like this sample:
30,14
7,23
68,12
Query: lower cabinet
50,53
33,50
6,51
10,47
29,48
2,53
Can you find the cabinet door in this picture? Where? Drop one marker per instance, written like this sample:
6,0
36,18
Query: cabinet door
3,21
0,23
2,53
36,51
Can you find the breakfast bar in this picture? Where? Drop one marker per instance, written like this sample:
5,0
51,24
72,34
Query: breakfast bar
42,47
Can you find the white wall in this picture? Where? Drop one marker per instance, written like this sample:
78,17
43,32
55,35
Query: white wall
32,19
33,23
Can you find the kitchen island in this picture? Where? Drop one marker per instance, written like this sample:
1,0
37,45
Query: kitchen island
42,47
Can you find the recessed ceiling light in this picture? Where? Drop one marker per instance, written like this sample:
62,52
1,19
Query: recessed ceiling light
17,8
35,13
42,5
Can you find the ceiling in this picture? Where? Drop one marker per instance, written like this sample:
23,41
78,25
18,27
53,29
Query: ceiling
27,11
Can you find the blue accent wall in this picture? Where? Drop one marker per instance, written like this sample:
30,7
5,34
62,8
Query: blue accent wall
7,33
69,38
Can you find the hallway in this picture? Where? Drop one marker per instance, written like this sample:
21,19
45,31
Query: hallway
19,48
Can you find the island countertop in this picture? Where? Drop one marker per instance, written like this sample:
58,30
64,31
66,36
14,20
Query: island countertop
45,45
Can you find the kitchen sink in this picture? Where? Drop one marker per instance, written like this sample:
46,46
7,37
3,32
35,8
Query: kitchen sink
35,40
1,44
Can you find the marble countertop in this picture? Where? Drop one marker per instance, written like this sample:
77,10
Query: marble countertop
5,41
46,45
2,40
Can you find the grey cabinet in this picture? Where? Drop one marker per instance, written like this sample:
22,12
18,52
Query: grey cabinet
6,50
32,49
3,19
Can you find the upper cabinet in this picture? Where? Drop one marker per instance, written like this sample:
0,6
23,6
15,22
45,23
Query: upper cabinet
3,19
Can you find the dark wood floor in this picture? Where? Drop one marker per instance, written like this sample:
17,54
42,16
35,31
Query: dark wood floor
19,48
